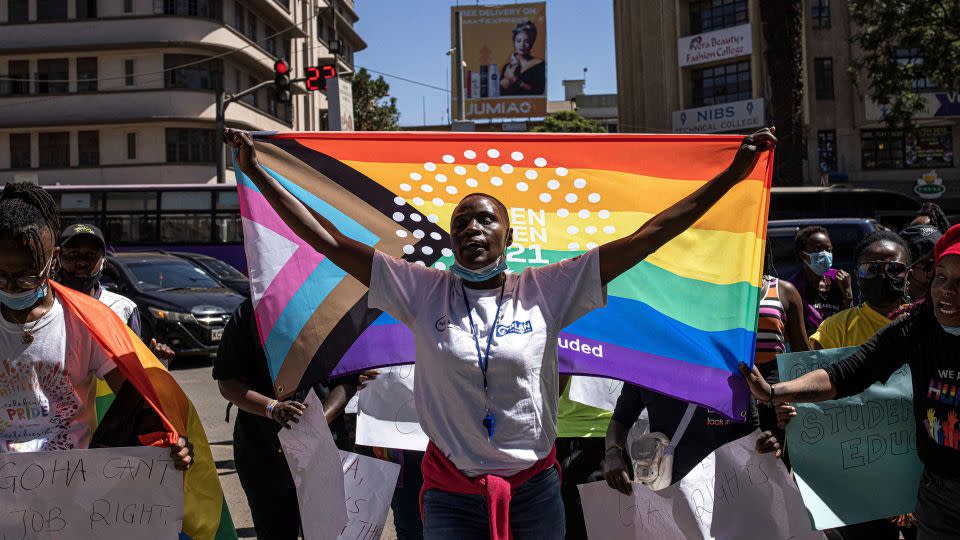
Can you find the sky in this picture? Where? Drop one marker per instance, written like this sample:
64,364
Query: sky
410,39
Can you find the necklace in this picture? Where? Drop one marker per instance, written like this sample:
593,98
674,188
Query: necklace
27,336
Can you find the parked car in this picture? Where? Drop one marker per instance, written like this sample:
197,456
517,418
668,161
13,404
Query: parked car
222,270
845,234
180,303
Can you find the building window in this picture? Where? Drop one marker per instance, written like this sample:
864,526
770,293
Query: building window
827,147
239,22
128,67
18,11
86,9
210,9
51,10
199,73
88,146
820,14
922,148
722,84
19,71
131,146
187,145
55,149
128,6
87,74
707,15
251,27
271,42
823,77
913,58
20,150
52,75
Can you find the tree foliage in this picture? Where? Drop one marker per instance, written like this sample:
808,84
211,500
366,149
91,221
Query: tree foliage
928,30
569,122
373,108
782,23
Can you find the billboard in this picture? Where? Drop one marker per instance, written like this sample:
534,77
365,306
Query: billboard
505,51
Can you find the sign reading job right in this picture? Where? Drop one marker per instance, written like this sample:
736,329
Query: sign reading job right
505,51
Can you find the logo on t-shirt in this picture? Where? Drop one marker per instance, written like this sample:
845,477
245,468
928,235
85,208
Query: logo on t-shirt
516,327
443,323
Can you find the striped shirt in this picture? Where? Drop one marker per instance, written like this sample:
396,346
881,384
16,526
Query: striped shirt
771,324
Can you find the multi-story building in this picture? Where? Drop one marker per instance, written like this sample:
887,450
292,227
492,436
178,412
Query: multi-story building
123,91
697,66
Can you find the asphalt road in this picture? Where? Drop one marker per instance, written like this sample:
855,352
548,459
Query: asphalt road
196,380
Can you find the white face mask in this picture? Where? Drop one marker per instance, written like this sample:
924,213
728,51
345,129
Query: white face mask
952,330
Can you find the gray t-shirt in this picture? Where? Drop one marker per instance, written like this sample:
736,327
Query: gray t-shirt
522,375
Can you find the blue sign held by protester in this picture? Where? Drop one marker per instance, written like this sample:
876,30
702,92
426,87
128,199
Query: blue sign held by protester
855,459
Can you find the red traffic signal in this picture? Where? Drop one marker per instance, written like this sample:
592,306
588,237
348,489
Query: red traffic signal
281,67
281,81
316,77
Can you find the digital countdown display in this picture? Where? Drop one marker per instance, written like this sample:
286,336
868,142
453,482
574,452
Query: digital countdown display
316,77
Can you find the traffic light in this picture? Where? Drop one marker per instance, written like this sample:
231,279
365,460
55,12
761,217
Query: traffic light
281,81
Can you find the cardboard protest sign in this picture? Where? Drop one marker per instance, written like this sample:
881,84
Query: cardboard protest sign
387,412
596,392
848,451
734,492
368,485
314,462
109,494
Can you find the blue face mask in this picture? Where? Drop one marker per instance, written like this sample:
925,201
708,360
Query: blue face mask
23,300
480,274
820,262
952,330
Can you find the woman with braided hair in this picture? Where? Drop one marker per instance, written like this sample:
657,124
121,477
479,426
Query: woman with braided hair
50,360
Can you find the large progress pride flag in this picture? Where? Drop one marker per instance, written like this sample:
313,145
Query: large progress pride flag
678,322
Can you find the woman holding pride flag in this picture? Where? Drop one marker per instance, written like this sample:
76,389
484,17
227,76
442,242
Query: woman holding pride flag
928,339
489,406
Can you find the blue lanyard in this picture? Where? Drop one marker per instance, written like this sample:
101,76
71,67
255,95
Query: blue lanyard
483,360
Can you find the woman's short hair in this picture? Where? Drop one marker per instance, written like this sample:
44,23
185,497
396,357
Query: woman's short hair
526,27
881,236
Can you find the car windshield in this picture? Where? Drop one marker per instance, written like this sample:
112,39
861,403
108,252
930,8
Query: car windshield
156,275
222,270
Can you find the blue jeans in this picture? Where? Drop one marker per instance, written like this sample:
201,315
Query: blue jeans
536,512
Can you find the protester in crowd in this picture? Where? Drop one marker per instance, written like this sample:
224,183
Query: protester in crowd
921,239
825,290
706,432
928,340
882,259
243,377
580,446
51,361
491,430
780,324
80,267
931,214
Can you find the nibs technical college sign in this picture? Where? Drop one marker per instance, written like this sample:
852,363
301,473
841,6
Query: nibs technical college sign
713,46
737,116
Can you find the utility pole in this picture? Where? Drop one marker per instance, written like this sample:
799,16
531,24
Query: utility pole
223,100
461,99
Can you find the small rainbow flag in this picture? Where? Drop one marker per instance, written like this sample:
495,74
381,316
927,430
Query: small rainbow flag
205,512
677,323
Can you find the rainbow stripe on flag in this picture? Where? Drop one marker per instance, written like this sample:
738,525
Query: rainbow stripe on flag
205,513
678,322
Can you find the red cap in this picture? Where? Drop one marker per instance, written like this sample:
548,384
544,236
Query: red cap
949,244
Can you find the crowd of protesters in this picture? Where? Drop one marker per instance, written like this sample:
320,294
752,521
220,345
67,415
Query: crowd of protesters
508,447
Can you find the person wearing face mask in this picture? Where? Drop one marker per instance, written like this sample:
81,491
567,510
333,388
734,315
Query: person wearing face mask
824,290
80,266
927,338
921,239
486,344
882,260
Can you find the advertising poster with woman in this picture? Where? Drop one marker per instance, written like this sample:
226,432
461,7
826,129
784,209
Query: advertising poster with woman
505,51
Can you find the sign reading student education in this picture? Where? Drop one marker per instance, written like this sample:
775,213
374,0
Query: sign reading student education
721,44
736,116
505,52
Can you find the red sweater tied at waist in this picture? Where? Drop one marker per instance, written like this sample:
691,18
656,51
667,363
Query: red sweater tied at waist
440,473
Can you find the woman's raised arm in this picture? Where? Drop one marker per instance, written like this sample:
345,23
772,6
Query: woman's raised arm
620,255
356,258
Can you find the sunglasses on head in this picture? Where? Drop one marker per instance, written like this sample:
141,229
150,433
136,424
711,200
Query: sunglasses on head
871,270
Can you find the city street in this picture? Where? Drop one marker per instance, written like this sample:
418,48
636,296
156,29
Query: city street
195,379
